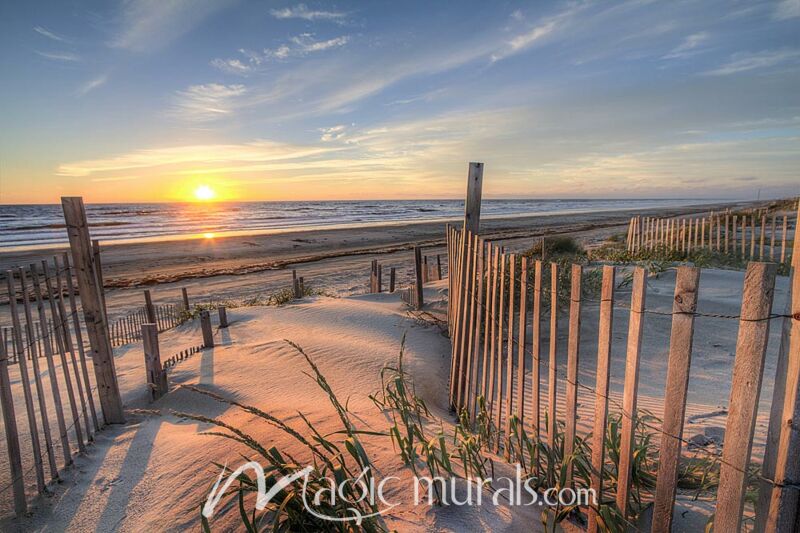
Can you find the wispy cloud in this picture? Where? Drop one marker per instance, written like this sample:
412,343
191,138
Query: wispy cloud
92,84
304,44
545,27
787,9
50,35
146,25
742,62
60,56
192,157
689,46
333,133
301,11
232,66
297,46
211,101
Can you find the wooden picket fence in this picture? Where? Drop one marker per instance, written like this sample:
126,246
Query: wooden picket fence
48,298
128,328
757,235
497,298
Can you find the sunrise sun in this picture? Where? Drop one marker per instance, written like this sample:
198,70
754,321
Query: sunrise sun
204,193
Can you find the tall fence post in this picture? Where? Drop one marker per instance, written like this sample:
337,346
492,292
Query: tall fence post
93,313
156,377
631,391
678,364
418,276
604,338
205,326
185,295
783,439
223,316
748,370
149,310
472,206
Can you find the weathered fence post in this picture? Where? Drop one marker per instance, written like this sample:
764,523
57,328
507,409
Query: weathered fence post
156,377
205,326
223,316
472,206
748,370
94,315
149,310
573,359
418,276
98,268
392,275
678,364
631,391
185,295
779,506
604,338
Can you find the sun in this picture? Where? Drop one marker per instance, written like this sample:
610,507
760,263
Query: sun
204,193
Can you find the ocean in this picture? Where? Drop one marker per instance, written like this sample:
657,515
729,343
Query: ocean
42,226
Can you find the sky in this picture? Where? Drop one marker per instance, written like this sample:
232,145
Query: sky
147,100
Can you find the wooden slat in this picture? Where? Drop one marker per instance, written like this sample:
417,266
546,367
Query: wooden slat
12,437
469,307
684,306
499,364
472,364
59,332
536,349
631,390
487,325
51,369
772,239
25,379
601,389
783,238
748,370
573,350
522,337
460,314
512,261
490,395
552,370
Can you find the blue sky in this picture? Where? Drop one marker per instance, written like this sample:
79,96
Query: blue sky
144,100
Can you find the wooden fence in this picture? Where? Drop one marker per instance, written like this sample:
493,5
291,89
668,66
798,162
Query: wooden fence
757,235
497,300
128,329
48,299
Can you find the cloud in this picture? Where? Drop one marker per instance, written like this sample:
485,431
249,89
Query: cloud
147,25
298,46
232,66
302,45
300,11
743,62
688,47
192,157
208,102
545,28
787,9
334,133
92,84
50,35
60,56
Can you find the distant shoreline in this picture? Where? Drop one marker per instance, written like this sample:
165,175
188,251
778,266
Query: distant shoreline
314,227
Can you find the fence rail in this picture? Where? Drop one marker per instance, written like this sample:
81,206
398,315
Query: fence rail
496,298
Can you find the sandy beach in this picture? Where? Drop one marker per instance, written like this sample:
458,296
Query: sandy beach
334,260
